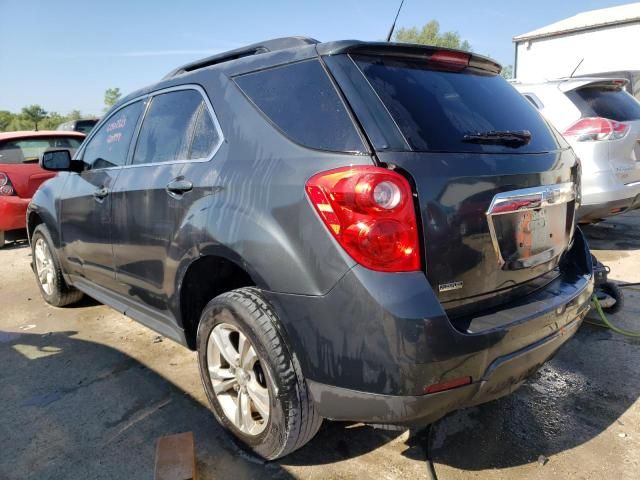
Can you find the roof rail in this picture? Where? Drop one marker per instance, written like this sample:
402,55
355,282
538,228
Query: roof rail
253,49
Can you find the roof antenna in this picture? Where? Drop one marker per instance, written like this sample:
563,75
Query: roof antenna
577,67
394,22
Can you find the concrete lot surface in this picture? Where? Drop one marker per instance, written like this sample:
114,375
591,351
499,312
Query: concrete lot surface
86,392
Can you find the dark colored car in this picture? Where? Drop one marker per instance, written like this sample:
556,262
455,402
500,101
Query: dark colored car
84,126
357,231
20,174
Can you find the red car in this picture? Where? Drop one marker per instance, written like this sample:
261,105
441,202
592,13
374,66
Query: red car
20,174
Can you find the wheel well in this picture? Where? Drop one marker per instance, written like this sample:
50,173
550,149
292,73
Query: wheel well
33,222
205,279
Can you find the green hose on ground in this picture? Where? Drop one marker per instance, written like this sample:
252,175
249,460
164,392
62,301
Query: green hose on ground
606,323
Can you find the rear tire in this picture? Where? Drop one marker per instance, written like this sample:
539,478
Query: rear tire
46,268
1,238
291,419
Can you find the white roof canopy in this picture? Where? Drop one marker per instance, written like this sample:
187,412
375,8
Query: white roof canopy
587,20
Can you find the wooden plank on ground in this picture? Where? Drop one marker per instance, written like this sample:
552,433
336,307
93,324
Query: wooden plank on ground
175,458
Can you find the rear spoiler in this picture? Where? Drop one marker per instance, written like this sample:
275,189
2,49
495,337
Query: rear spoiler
410,50
570,84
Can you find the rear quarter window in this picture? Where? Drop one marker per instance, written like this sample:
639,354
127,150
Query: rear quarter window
300,100
435,109
612,103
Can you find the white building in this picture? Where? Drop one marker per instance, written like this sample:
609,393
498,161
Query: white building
607,40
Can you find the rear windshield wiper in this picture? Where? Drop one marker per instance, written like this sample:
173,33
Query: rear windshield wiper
509,138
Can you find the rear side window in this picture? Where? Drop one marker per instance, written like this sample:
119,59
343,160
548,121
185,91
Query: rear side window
612,103
435,109
301,101
110,145
177,126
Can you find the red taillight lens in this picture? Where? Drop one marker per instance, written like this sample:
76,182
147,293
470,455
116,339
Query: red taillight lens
596,128
370,211
6,189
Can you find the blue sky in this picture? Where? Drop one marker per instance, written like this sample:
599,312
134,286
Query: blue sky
63,54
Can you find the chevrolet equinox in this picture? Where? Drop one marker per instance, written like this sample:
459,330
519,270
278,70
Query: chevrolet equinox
369,232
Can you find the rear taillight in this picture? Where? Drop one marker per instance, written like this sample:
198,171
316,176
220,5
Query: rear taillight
6,189
370,212
596,128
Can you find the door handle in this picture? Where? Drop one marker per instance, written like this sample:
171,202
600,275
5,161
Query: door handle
101,193
179,187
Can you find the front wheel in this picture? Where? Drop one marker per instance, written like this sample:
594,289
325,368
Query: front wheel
254,385
48,273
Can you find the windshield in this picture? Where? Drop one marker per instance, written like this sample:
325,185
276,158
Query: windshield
436,109
28,150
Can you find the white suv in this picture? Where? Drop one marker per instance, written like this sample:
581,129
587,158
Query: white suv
601,121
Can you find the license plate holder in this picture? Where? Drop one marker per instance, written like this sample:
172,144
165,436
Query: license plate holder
531,226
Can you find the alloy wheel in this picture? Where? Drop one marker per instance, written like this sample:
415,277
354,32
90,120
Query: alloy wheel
239,381
45,268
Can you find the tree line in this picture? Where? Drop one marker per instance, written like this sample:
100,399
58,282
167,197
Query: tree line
35,117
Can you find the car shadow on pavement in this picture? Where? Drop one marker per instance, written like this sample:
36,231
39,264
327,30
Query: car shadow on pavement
77,409
16,245
574,398
72,408
616,233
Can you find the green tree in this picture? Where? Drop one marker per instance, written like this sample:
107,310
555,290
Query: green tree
34,114
111,96
430,34
19,122
507,72
52,121
74,115
6,118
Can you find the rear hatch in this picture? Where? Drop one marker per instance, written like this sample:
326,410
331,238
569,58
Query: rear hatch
602,100
494,183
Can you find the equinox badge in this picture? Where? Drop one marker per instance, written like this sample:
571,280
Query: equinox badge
446,287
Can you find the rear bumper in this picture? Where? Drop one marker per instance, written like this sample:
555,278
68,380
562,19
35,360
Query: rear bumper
13,213
503,376
591,213
603,195
372,344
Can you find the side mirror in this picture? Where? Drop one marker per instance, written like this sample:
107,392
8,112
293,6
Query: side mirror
58,161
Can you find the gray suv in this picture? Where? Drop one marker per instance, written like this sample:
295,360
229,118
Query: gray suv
370,232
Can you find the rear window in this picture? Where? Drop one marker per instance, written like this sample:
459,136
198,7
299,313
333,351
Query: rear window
612,103
301,101
435,109
28,150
